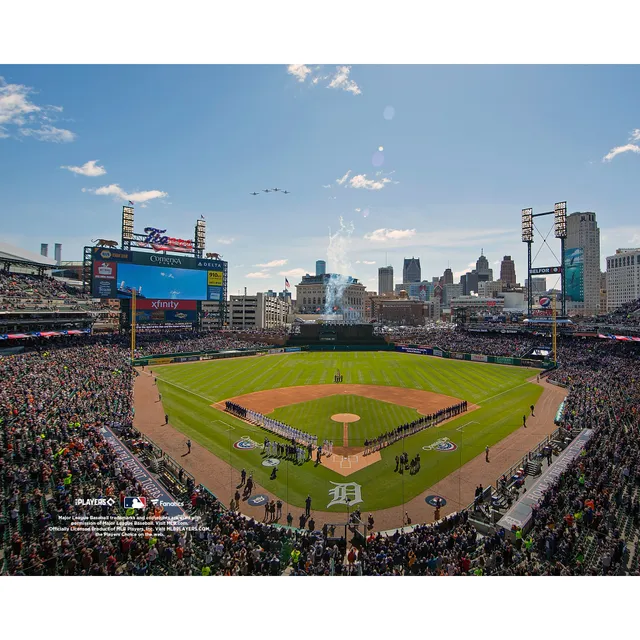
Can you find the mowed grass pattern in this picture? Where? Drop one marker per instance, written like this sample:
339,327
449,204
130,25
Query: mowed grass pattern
188,390
376,417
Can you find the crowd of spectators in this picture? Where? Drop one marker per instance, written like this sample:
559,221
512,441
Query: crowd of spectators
53,451
449,338
26,291
626,315
157,343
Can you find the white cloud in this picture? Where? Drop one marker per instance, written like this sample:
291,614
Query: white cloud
258,274
225,240
362,182
15,106
17,110
326,186
341,80
342,180
90,169
618,150
384,235
634,148
47,133
273,263
300,71
295,273
368,262
358,210
119,193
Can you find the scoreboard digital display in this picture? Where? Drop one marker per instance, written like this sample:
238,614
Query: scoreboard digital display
117,274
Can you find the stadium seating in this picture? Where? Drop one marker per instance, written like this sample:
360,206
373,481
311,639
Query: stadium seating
53,451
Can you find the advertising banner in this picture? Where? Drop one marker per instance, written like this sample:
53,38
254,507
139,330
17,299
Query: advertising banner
437,352
574,273
214,294
103,253
166,305
418,350
457,356
292,349
503,360
476,357
214,278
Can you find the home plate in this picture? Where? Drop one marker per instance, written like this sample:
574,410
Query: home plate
347,464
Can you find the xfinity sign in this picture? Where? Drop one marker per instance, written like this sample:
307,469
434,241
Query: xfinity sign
164,304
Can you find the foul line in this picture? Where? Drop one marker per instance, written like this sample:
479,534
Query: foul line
502,393
226,424
198,395
466,424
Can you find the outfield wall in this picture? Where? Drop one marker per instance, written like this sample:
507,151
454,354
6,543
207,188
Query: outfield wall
472,357
194,356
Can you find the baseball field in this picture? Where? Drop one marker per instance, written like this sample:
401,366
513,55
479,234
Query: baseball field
380,390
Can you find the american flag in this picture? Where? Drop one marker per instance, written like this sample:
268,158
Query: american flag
286,283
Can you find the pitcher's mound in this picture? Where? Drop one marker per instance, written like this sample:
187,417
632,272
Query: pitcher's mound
345,417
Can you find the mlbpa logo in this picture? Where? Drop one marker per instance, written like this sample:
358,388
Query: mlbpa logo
544,302
443,445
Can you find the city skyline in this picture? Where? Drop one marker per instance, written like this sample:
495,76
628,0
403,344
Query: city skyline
435,179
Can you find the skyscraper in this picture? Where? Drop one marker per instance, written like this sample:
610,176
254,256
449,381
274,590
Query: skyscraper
482,268
385,280
57,248
321,267
582,263
44,249
508,271
411,271
623,278
447,277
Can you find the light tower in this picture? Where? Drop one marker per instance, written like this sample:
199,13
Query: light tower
560,232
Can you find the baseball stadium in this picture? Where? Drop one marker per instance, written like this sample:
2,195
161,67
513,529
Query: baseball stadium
144,436
211,385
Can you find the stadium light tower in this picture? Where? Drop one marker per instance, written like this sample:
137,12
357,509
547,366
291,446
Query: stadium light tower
560,228
527,236
560,231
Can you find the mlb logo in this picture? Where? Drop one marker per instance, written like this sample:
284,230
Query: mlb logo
135,502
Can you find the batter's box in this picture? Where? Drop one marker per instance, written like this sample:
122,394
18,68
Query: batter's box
345,463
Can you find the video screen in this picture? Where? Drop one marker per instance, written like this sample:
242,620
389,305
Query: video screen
161,282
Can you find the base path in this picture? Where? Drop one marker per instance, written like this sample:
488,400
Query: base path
265,402
457,488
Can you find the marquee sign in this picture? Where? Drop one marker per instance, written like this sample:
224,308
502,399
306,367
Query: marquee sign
155,239
539,271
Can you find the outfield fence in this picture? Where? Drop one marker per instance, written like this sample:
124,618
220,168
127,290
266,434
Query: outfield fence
471,357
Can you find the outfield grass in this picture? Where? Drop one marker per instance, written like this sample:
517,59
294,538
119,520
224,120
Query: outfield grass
502,393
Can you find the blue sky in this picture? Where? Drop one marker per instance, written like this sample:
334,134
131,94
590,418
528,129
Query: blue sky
464,150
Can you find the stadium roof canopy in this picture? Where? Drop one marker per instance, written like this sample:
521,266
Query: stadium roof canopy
16,255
